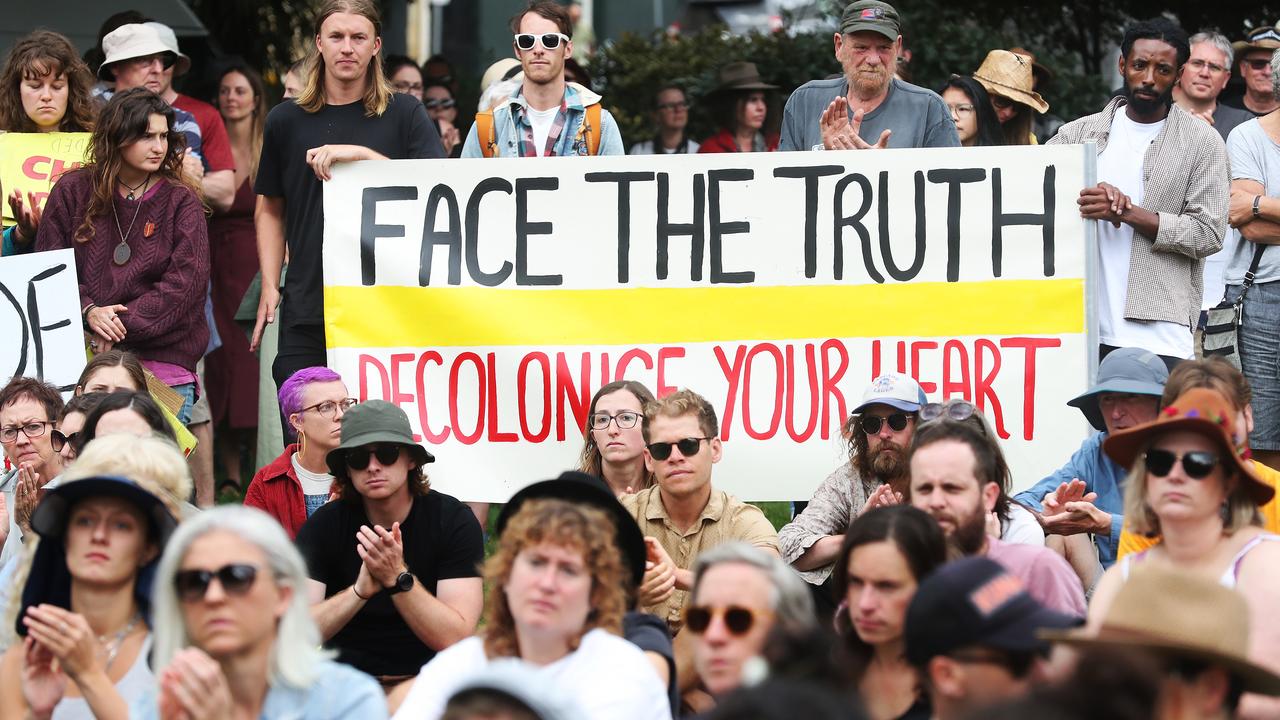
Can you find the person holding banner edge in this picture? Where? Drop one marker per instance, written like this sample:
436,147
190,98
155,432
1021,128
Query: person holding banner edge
45,88
347,111
1154,227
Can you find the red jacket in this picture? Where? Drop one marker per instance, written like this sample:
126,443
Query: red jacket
723,142
276,490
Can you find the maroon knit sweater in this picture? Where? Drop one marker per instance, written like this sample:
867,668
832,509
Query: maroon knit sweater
165,281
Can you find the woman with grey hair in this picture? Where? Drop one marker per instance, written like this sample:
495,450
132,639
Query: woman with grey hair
233,630
741,593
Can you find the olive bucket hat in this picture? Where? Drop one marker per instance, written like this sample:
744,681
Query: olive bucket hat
375,421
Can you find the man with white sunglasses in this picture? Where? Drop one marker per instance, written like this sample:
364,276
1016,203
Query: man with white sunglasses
546,116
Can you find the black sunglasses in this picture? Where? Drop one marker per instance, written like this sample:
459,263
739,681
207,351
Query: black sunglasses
358,458
688,447
738,620
1196,464
193,585
871,424
58,441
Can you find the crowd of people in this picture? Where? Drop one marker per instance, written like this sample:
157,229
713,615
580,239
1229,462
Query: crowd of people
914,584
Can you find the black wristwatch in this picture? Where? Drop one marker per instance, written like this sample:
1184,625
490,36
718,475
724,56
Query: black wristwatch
404,583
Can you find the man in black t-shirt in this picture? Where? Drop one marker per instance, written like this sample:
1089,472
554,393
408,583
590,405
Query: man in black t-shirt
396,563
346,112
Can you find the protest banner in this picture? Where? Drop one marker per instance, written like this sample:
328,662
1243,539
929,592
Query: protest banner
32,162
491,298
40,317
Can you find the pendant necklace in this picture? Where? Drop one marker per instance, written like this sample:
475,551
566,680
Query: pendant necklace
134,188
122,252
112,648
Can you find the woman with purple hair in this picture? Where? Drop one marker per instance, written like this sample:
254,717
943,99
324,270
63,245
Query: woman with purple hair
297,483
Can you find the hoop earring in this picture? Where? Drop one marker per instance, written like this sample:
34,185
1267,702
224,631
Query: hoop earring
302,443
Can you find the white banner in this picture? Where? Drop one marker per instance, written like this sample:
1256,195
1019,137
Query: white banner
491,298
40,318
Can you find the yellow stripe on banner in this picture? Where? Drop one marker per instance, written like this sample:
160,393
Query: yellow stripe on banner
391,316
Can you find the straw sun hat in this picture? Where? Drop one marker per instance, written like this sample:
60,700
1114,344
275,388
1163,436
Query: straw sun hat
1010,75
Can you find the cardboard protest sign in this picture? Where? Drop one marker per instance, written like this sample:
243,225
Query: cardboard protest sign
32,162
491,298
40,318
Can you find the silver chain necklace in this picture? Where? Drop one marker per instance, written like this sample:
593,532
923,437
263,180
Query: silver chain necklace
112,648
122,252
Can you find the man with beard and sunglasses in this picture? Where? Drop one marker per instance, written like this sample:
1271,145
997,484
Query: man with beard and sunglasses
546,116
393,563
866,106
973,631
878,433
1161,203
957,476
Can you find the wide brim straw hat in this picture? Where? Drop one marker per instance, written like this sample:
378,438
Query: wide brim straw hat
1259,38
1171,612
1039,71
1205,412
740,76
1010,75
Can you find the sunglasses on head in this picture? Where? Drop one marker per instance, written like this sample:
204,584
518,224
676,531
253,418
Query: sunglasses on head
952,409
1196,464
358,458
871,424
193,585
688,447
738,620
550,41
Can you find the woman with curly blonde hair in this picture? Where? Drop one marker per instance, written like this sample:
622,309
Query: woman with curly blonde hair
559,589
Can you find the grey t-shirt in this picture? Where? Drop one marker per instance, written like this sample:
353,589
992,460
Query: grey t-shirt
1253,156
917,117
1227,118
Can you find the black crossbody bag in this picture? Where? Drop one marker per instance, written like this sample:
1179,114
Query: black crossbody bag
1221,334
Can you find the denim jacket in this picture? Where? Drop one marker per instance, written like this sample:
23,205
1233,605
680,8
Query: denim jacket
1101,475
507,134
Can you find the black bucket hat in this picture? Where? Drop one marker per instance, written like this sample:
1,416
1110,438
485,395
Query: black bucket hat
578,487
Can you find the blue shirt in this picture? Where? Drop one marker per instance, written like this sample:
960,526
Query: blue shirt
1101,475
339,692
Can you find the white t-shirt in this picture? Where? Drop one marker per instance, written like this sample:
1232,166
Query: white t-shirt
541,121
1120,164
1022,528
609,677
312,483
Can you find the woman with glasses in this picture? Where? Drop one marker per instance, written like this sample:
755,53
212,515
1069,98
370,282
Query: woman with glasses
66,439
28,408
613,445
1192,483
971,109
671,125
85,617
559,592
296,484
442,108
233,630
886,552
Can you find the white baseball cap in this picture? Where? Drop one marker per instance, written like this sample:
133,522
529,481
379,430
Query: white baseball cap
895,390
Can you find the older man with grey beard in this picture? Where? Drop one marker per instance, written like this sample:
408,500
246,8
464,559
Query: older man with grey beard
867,107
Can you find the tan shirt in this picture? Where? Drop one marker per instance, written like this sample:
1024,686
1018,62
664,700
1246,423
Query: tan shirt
724,519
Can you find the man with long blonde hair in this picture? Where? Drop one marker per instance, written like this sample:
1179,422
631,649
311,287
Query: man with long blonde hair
346,112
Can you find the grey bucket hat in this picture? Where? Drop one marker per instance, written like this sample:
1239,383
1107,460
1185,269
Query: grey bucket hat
375,421
1127,370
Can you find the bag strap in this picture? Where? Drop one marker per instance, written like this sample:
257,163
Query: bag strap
1258,249
484,132
592,129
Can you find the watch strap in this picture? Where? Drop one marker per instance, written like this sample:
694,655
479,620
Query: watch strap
1257,206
